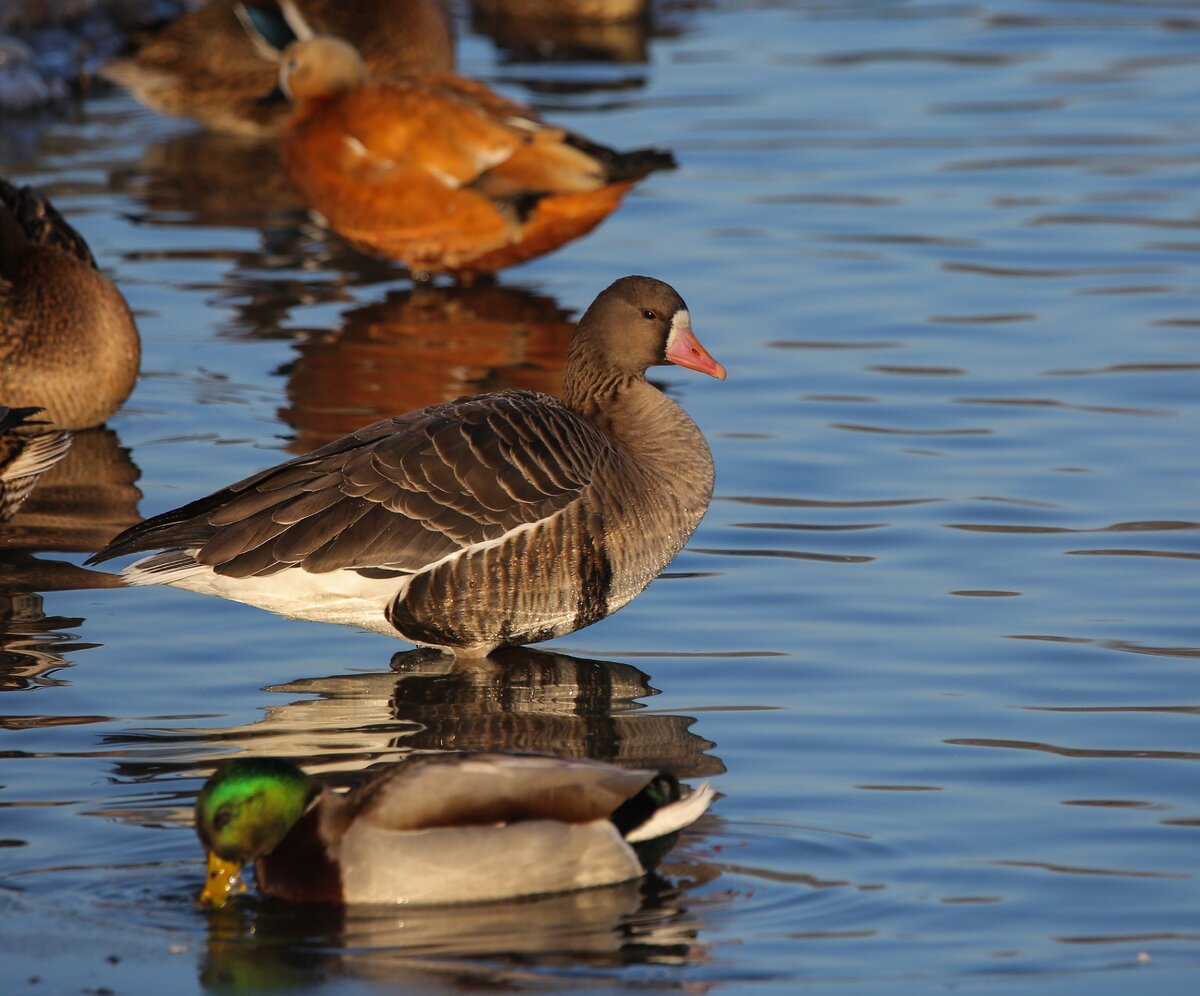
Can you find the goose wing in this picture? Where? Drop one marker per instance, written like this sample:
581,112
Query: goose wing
398,494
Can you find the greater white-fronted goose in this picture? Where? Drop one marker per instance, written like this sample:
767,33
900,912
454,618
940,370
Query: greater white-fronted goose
487,521
27,450
68,342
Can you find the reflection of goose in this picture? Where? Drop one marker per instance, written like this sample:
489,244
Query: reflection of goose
488,521
214,63
68,342
530,700
440,172
520,700
439,828
424,345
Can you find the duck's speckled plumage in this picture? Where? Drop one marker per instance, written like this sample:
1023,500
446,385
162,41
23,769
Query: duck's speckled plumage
492,520
68,342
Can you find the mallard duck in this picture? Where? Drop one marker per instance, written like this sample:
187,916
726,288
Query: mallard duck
442,828
493,520
68,342
438,171
214,63
26,452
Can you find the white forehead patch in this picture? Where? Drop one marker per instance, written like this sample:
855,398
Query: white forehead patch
682,320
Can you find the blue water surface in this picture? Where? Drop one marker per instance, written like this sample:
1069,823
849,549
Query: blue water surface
935,643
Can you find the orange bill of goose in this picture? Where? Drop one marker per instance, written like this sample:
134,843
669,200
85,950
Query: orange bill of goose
493,520
438,171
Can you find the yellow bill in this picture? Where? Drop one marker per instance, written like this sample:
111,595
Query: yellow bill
222,880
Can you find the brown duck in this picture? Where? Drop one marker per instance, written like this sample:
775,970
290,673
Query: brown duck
492,520
68,342
214,63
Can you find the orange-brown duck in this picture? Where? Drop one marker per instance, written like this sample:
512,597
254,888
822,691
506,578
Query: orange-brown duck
492,520
438,171
68,342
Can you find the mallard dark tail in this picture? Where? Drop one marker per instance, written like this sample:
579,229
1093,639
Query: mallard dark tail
650,822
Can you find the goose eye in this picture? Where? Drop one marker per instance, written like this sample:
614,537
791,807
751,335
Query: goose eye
649,314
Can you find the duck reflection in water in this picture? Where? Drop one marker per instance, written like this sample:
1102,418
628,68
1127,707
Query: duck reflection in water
426,345
262,945
33,645
78,505
211,183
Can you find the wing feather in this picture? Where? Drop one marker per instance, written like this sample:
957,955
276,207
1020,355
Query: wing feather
473,789
401,493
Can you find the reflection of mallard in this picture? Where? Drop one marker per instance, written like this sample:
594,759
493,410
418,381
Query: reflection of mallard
256,947
444,828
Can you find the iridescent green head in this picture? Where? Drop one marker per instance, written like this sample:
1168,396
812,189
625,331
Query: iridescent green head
249,805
